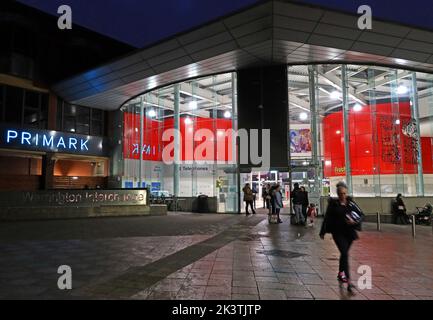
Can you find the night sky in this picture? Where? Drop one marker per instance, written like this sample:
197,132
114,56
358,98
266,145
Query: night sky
143,22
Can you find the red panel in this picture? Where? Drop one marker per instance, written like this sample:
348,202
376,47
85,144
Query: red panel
396,152
152,137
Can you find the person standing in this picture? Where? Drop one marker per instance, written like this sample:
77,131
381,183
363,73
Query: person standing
248,198
296,197
254,196
399,210
305,202
342,219
278,201
264,194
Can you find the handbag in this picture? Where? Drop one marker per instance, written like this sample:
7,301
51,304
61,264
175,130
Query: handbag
355,214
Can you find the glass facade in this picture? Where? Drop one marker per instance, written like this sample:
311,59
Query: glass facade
79,119
191,120
369,126
26,108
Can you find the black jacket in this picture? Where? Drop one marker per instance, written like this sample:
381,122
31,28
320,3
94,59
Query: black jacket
335,221
304,198
296,196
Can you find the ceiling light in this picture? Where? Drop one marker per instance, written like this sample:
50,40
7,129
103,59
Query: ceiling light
227,114
151,113
338,132
303,116
397,121
402,89
357,107
188,121
335,95
192,105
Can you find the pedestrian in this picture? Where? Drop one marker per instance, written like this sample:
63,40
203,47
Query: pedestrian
296,197
399,211
278,202
254,196
312,214
269,198
248,198
305,202
342,219
264,195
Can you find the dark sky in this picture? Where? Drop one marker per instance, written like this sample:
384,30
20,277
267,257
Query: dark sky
142,22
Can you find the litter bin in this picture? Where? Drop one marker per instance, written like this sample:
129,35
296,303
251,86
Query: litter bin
202,204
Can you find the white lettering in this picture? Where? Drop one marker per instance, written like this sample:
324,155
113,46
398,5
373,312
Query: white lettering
73,143
46,142
61,142
84,145
65,20
65,281
11,135
26,136
365,21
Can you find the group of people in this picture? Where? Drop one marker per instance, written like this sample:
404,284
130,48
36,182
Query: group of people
303,209
272,199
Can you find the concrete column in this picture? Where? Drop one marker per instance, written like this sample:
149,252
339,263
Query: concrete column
47,179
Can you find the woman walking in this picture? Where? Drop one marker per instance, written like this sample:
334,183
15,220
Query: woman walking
342,219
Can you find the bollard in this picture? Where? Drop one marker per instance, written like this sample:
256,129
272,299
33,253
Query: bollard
378,221
413,226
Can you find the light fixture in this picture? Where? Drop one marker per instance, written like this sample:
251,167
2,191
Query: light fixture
303,116
74,178
151,113
402,89
305,163
397,121
227,114
357,107
188,121
136,129
335,95
328,163
367,151
192,105
338,132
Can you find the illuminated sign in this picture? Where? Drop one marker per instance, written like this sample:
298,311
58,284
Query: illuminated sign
74,198
52,141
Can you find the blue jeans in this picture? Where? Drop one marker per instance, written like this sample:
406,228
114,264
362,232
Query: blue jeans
299,217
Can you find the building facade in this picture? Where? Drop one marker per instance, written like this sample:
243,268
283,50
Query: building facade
340,103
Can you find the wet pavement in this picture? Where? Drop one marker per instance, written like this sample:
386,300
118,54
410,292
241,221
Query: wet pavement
207,256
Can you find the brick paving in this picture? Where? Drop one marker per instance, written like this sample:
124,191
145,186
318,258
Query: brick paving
213,256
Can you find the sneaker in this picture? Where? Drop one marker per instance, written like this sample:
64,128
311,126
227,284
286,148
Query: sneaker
351,288
342,277
279,221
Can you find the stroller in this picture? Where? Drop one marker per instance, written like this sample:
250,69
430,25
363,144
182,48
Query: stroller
424,215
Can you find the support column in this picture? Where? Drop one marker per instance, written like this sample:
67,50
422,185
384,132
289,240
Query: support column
177,143
140,173
315,134
346,128
48,163
415,116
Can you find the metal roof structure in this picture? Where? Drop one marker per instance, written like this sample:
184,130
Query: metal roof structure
275,32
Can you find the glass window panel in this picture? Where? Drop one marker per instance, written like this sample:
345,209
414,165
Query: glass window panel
14,105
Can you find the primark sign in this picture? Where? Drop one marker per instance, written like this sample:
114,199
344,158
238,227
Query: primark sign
52,141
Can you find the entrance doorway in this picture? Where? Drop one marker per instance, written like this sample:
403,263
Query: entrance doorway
258,181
